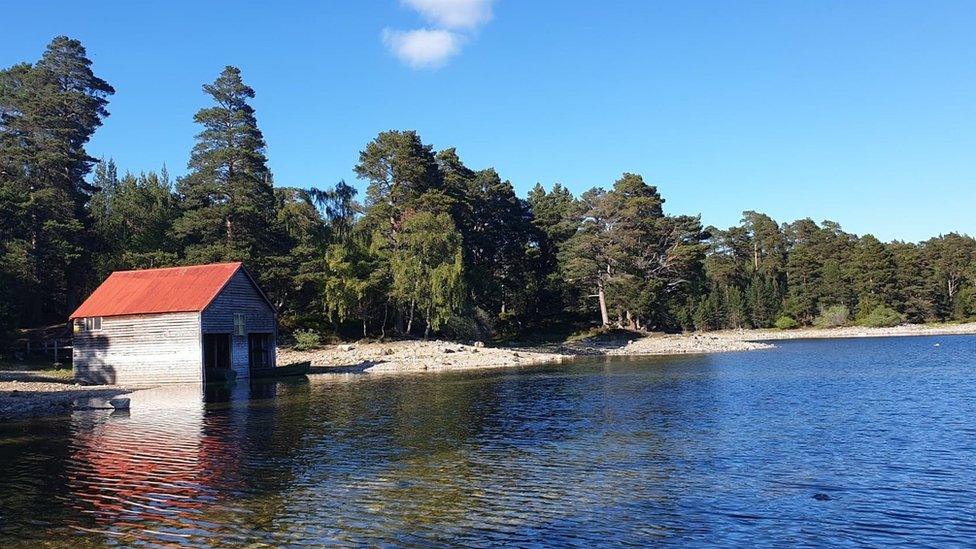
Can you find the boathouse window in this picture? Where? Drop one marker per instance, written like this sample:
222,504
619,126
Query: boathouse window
92,323
239,324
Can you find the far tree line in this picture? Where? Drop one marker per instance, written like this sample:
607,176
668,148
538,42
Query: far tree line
433,248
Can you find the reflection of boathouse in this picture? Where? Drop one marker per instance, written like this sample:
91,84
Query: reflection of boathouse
173,324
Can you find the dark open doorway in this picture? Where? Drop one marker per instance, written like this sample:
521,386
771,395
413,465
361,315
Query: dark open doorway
216,351
259,351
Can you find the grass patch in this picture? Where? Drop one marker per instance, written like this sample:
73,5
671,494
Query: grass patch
35,364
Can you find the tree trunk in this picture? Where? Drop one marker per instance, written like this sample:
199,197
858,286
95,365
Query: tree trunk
410,319
603,302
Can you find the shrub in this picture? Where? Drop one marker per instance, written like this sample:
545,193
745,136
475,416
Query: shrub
307,339
786,323
882,317
459,328
832,317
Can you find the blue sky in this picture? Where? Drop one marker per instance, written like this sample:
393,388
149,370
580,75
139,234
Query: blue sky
860,112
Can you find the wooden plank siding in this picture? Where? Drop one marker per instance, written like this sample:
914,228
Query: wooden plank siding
135,349
240,295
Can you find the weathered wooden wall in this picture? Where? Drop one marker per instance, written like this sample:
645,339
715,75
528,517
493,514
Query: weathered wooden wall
240,296
138,349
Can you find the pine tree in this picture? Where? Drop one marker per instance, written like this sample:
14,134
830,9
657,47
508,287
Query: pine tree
48,112
228,198
133,218
764,301
553,217
737,315
915,282
400,169
875,275
589,256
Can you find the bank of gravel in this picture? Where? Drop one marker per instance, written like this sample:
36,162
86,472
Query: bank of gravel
680,344
440,356
27,399
413,356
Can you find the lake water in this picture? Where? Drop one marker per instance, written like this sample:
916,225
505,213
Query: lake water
843,442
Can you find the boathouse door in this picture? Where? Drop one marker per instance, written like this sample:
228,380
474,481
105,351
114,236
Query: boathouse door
216,351
259,351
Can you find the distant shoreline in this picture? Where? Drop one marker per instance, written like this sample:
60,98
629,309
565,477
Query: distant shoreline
905,330
414,356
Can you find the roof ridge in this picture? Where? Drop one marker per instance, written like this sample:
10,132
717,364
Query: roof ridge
177,267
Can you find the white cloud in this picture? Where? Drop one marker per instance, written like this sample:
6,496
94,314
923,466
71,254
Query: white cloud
453,14
454,22
423,48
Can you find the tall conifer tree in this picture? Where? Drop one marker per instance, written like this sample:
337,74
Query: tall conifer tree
229,202
48,112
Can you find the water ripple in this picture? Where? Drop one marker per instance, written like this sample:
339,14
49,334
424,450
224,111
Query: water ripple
688,451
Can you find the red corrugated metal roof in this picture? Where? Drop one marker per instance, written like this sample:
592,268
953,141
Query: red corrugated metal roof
170,290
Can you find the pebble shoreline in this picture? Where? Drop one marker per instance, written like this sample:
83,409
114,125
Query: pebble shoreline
33,397
439,356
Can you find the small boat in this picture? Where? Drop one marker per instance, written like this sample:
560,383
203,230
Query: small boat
220,375
296,369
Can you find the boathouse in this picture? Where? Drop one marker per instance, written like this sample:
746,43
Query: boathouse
173,325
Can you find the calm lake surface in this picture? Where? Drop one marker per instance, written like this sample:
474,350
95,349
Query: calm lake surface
818,442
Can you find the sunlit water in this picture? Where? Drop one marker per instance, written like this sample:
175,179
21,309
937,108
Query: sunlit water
851,442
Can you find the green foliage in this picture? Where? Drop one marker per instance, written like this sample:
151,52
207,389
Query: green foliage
637,261
427,270
710,313
460,328
834,316
48,112
554,222
132,218
307,339
737,315
437,246
227,197
786,323
882,317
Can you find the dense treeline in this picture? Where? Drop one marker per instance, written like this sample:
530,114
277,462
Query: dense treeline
434,246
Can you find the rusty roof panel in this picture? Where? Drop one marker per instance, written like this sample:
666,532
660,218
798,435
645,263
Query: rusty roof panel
169,290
